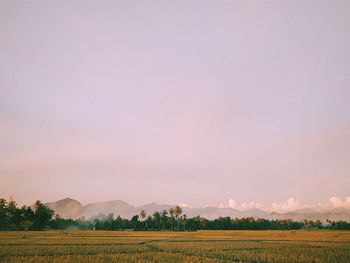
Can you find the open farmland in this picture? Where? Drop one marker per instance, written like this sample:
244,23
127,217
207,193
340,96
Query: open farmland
201,246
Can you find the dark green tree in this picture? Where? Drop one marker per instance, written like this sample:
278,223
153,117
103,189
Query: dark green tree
42,215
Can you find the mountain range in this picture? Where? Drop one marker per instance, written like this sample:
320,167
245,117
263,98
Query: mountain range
70,208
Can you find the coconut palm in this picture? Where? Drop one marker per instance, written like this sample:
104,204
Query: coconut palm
164,218
178,212
172,212
143,214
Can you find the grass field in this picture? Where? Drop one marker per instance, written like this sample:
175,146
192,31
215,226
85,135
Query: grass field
201,246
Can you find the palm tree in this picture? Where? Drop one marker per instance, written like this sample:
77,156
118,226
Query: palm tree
142,214
157,220
178,212
164,218
184,217
172,212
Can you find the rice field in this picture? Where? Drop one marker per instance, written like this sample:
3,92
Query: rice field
201,246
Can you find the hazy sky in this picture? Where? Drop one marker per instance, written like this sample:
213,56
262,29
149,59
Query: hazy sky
193,102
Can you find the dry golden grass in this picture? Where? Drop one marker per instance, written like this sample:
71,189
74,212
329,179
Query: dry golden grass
201,246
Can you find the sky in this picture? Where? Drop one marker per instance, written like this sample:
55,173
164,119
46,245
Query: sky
226,102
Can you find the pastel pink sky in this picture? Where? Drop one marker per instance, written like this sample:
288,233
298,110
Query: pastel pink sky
196,102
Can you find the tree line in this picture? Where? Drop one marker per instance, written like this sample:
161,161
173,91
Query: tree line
35,217
40,217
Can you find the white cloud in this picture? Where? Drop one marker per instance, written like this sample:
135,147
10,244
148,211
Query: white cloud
183,205
245,205
289,205
222,206
232,203
336,202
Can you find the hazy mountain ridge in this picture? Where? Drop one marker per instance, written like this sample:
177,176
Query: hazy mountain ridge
333,215
70,208
67,208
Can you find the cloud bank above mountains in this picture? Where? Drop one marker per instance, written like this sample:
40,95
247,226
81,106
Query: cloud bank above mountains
289,205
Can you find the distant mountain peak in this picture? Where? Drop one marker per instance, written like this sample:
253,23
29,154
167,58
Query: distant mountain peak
67,200
118,202
274,213
67,207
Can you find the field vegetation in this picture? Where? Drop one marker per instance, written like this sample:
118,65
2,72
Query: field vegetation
165,246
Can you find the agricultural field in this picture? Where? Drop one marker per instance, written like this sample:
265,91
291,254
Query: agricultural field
200,246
